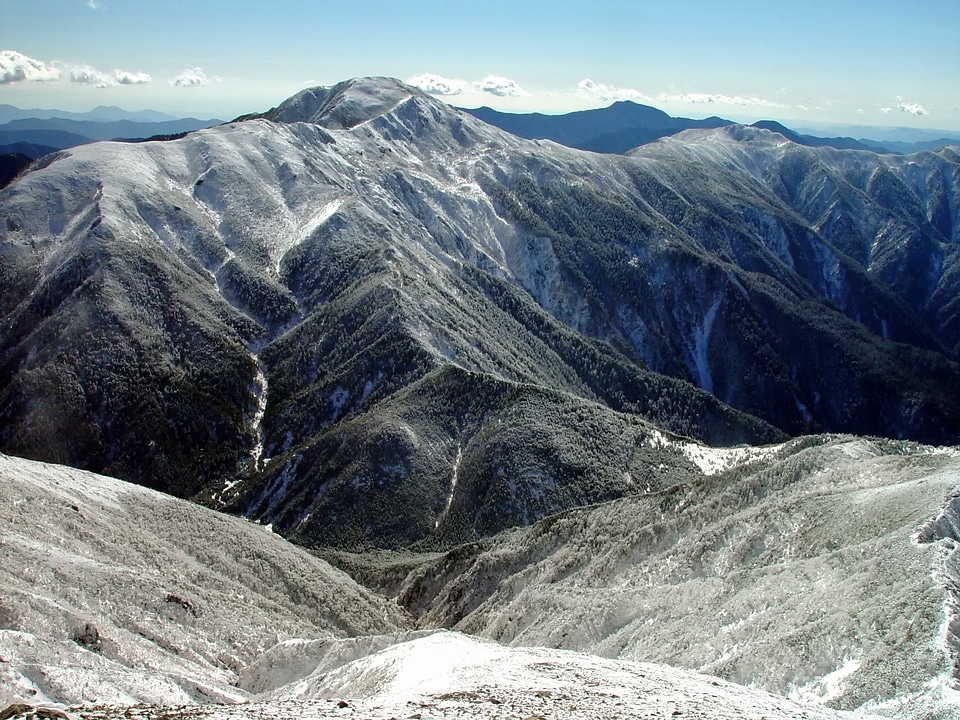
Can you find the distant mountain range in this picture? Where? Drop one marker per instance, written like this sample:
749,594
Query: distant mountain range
614,129
626,125
62,133
101,113
26,135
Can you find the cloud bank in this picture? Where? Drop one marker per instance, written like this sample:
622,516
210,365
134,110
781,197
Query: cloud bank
719,99
191,77
493,84
500,86
437,85
131,78
912,108
86,75
587,88
16,67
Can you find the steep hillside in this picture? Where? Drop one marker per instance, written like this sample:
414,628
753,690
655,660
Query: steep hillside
364,305
821,570
116,593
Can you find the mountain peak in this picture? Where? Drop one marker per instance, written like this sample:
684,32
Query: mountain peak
344,105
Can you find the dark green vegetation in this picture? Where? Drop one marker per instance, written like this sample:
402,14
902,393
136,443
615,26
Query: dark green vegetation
372,320
11,165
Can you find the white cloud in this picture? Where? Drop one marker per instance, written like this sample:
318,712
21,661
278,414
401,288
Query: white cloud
123,77
86,75
912,108
16,67
608,93
436,85
886,110
719,99
191,77
500,86
95,5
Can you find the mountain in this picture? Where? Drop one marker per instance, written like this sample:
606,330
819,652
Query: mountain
101,113
906,148
615,129
57,139
63,133
625,125
11,165
841,143
372,320
31,150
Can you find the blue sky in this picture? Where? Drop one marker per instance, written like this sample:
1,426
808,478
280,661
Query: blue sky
883,62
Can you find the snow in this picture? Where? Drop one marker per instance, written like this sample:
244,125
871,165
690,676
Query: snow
179,597
701,340
445,675
308,228
777,576
453,485
829,687
259,391
78,549
711,460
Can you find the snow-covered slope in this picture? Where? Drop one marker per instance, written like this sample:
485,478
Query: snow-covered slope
453,675
448,675
115,593
826,571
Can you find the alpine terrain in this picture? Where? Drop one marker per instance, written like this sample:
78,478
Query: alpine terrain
495,380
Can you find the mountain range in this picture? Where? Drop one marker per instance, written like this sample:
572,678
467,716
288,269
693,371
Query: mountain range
365,300
537,394
101,113
625,125
60,133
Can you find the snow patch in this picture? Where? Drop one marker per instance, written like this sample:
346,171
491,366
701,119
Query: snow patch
453,485
308,228
710,460
829,687
701,340
255,423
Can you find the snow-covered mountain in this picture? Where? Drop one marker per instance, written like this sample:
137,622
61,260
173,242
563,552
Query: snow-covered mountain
394,324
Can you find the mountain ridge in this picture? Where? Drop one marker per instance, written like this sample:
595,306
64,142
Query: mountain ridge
264,290
625,125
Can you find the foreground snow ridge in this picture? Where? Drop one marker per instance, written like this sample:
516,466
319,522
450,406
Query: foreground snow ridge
450,675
